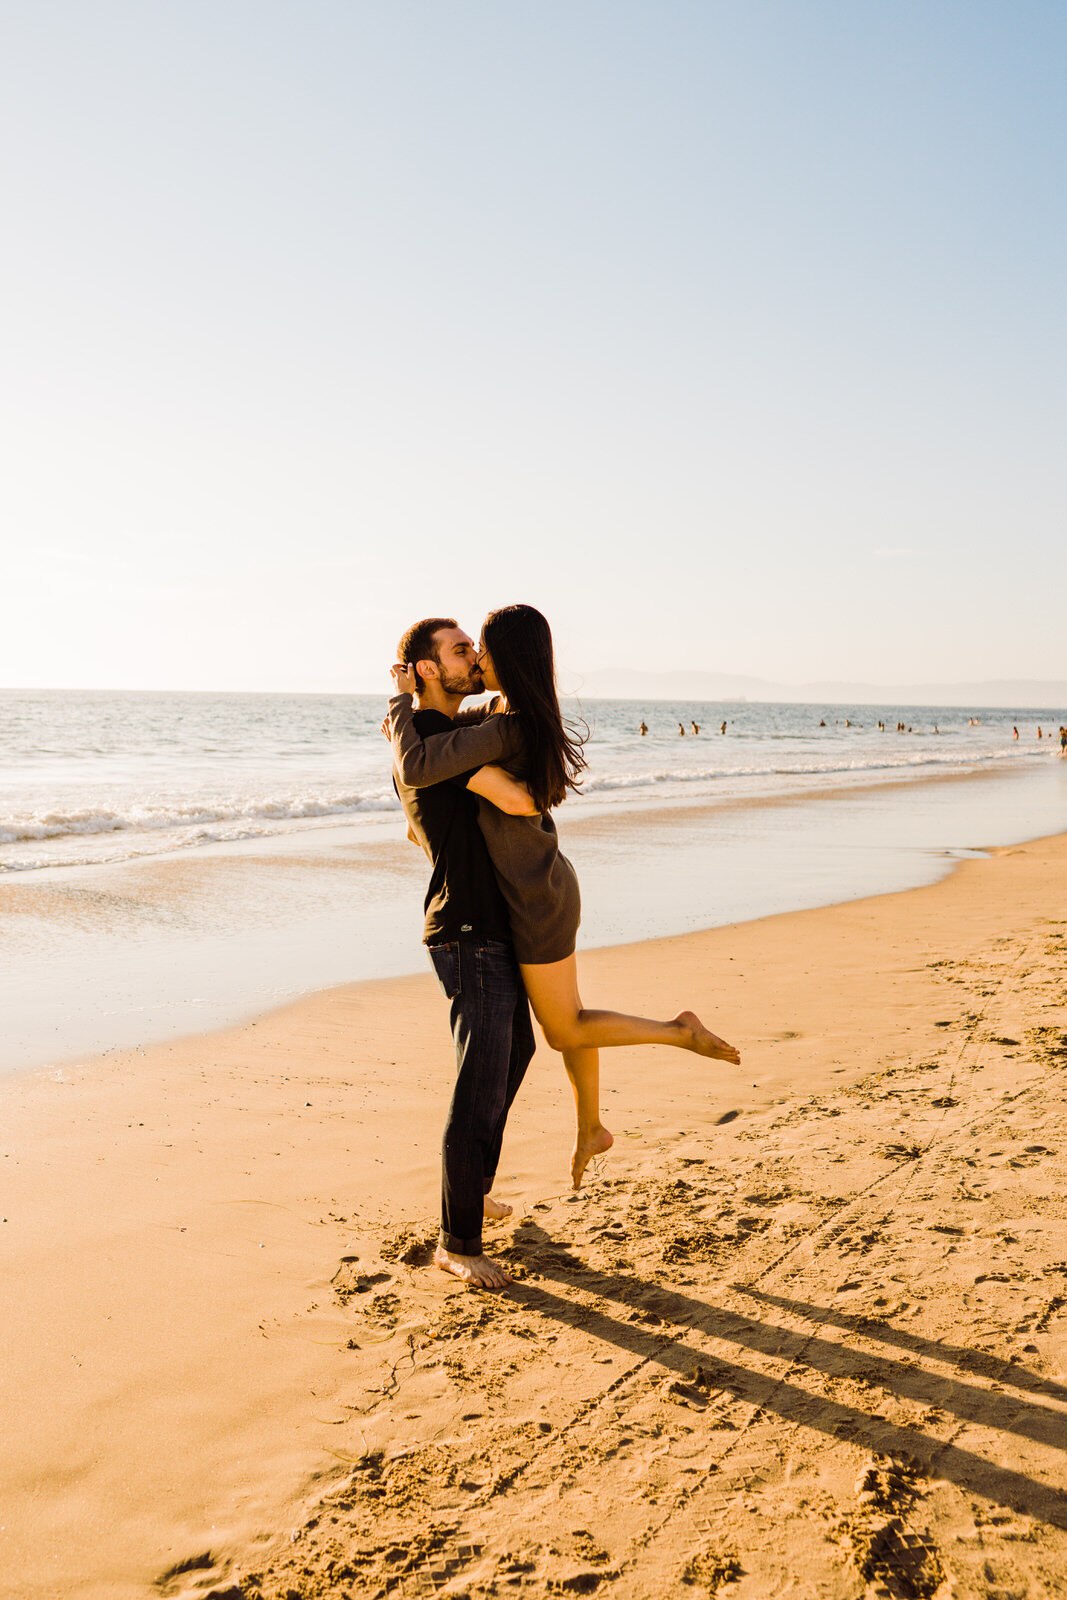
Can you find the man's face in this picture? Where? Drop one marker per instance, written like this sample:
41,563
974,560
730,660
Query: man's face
457,662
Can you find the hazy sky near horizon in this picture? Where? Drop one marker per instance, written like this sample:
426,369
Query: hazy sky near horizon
732,336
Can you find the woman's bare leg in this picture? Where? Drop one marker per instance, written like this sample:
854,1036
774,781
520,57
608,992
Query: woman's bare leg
591,1138
553,990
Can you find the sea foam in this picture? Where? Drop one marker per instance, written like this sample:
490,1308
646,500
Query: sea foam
57,824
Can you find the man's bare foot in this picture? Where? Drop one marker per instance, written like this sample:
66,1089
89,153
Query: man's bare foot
478,1271
588,1143
703,1041
495,1210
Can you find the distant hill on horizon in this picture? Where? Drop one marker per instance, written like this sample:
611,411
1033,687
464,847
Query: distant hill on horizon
621,683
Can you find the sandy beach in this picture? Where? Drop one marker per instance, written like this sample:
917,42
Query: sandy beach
667,400
803,1332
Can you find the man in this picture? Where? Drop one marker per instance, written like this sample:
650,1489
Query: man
469,941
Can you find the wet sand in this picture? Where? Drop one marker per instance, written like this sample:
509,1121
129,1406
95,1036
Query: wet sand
803,1331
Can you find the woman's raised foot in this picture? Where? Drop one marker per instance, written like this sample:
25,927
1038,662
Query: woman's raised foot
703,1041
495,1210
589,1142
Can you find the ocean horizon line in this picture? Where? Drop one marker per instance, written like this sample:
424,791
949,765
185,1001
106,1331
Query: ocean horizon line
997,694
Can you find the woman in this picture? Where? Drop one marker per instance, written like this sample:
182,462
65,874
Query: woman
537,881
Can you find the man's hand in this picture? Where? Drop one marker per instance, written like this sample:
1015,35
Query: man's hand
384,730
403,677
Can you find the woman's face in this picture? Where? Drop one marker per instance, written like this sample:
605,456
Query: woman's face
485,662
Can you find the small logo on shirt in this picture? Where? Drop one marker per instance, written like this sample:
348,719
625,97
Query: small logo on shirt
465,927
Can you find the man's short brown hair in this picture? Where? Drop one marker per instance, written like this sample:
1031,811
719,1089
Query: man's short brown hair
420,642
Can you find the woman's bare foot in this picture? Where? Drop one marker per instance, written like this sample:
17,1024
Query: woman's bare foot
703,1041
478,1271
588,1143
495,1210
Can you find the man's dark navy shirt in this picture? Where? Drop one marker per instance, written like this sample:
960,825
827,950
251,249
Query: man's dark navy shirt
463,896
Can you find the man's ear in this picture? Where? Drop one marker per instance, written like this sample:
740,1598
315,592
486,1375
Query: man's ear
427,669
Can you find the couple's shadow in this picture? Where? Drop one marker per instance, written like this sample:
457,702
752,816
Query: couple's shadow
1008,1413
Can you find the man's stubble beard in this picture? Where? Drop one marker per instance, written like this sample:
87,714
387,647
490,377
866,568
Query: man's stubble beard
471,684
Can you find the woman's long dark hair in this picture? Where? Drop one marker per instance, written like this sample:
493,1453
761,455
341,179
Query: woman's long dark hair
520,642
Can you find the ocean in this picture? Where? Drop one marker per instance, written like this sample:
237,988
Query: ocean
96,777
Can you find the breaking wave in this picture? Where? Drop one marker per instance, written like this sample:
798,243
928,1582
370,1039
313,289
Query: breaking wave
151,819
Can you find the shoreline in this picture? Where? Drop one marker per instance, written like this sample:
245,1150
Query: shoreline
622,801
215,1247
133,953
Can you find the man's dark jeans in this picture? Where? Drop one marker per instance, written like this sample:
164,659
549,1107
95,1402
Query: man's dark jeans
494,1046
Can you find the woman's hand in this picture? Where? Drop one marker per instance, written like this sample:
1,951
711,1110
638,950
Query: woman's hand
403,678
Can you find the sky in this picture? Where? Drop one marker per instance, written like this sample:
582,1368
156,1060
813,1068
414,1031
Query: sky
731,336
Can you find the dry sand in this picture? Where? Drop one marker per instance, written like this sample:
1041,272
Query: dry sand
802,1334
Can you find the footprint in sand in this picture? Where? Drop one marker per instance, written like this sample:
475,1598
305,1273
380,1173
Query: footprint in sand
409,1248
1030,1157
384,1307
710,1569
168,1583
350,1280
693,1395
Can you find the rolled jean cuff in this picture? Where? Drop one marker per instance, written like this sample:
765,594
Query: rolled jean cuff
461,1247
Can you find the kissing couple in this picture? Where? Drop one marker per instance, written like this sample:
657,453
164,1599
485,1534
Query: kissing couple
479,788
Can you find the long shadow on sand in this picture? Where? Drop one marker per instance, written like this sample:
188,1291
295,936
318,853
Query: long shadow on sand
982,1407
981,1362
